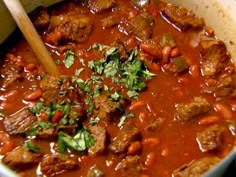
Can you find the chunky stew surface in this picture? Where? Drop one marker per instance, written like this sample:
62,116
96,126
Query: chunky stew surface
145,90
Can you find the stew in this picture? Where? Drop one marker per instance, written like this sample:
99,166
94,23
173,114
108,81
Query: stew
146,89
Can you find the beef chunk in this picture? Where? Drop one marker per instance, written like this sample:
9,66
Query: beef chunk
140,26
181,17
105,108
123,139
121,49
40,18
55,164
99,134
19,122
110,21
50,133
130,166
59,89
20,158
196,168
71,28
189,111
214,55
95,172
225,86
101,5
210,139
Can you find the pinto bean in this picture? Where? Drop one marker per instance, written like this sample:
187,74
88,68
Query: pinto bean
150,159
131,43
151,141
6,105
30,67
6,144
33,95
208,120
10,94
134,148
166,54
223,110
175,52
136,104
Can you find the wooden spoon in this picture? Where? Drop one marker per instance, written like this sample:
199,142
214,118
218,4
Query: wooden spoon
22,20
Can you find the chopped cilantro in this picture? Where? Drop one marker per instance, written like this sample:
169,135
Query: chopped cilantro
45,125
82,61
94,121
69,59
132,94
98,46
80,142
30,146
124,117
78,71
97,91
97,66
115,96
36,109
90,109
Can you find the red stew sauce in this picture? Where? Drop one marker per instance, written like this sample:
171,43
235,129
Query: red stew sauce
145,90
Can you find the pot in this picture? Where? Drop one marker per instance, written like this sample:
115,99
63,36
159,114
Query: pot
218,14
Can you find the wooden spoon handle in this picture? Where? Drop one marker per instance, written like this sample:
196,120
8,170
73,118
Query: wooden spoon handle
22,20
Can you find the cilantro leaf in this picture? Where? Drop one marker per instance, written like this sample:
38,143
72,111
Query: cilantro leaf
69,59
80,142
36,108
30,146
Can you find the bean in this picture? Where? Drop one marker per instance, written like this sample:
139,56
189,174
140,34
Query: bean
166,54
33,95
134,148
136,104
208,120
175,52
10,94
57,116
151,141
6,144
150,159
6,105
131,43
151,49
223,110
30,67
194,70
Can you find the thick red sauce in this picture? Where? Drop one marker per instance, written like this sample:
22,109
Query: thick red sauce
177,143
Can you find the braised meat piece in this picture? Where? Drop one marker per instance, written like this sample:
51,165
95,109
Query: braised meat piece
20,158
181,17
196,168
123,139
71,28
225,86
189,111
99,134
101,5
110,21
55,164
19,122
140,26
130,166
214,55
105,108
40,18
210,139
95,172
11,71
